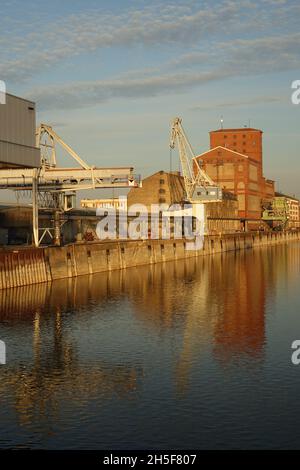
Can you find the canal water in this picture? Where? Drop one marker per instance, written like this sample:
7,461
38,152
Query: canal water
186,354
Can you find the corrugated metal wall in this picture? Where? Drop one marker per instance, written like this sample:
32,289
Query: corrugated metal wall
17,132
19,155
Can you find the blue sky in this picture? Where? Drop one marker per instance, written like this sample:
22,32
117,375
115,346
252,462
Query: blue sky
110,76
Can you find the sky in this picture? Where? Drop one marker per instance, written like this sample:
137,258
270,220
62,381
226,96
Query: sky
109,76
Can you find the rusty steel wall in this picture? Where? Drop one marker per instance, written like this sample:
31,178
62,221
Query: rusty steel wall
22,267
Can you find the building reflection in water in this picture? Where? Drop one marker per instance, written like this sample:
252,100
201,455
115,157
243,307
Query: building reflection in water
211,302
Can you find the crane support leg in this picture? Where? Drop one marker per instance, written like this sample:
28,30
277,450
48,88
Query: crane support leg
35,210
57,232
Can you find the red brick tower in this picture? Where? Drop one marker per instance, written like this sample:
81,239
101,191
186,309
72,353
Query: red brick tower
247,141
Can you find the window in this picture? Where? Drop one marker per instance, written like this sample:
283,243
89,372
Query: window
162,200
162,191
161,181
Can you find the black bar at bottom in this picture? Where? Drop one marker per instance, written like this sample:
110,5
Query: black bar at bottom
136,458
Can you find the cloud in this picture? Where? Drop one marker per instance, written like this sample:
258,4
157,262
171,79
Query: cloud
230,39
88,32
238,104
160,24
247,56
83,94
235,58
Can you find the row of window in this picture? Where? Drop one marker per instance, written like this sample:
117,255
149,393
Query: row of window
234,136
161,200
243,143
223,161
235,143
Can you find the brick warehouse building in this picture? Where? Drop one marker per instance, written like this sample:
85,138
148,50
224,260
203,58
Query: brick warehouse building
168,188
235,162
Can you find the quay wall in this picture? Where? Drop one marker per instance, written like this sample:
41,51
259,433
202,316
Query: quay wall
25,266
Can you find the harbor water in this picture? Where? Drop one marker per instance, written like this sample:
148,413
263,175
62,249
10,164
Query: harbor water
190,354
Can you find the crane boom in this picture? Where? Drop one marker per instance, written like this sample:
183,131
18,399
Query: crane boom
199,187
54,137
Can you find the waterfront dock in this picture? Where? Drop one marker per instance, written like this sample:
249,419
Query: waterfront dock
23,266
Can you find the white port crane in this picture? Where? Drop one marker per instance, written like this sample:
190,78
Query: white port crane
199,187
54,188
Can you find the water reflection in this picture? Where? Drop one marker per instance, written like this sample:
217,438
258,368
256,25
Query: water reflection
208,304
35,386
